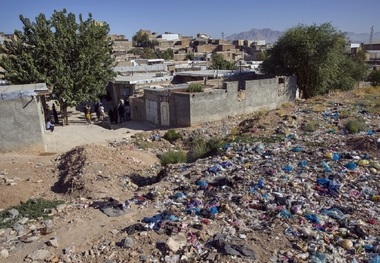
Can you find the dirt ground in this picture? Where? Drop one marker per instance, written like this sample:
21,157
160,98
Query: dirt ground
88,163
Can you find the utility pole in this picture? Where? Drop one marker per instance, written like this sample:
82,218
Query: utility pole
371,38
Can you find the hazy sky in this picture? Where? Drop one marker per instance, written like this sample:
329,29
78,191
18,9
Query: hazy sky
202,16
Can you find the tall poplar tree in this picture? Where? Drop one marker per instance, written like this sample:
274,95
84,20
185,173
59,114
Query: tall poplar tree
74,58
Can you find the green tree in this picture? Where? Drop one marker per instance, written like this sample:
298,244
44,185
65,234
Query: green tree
374,77
167,54
190,56
317,55
218,62
261,55
141,39
74,59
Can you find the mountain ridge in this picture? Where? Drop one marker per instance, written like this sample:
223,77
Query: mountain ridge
271,36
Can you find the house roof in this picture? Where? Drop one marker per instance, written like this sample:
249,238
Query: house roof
8,92
212,73
142,78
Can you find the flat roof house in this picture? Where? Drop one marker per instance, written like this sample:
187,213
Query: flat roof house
22,117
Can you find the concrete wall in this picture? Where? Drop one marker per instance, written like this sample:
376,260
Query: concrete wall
179,110
137,109
22,125
230,101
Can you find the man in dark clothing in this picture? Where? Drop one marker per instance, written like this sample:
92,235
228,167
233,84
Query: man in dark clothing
121,113
110,115
115,115
55,114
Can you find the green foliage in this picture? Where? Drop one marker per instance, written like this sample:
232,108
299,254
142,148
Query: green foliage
317,56
355,126
172,157
146,52
167,54
141,39
218,62
311,126
74,58
32,209
171,136
195,87
374,78
190,56
261,55
200,148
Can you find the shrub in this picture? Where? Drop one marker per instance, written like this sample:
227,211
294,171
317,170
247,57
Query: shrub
374,78
172,157
32,209
355,126
171,136
311,126
201,148
195,87
198,149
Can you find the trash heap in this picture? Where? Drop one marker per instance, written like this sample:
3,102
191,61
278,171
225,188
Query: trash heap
320,202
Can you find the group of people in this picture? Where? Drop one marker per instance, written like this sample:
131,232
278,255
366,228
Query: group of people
118,114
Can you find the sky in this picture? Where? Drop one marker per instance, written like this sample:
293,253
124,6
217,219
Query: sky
216,18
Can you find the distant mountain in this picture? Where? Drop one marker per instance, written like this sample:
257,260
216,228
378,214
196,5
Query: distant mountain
363,37
267,34
271,36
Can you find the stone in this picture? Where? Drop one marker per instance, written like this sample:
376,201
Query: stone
23,221
29,239
53,242
4,253
211,256
172,244
20,229
40,254
127,242
13,213
60,208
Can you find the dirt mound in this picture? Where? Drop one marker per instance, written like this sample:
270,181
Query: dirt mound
97,171
364,144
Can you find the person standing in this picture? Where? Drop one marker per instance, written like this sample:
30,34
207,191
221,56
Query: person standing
121,111
110,115
55,114
128,112
102,114
87,112
97,108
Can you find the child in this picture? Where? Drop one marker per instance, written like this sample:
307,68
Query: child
49,125
87,113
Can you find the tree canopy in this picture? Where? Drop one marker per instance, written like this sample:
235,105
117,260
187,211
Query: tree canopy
374,77
317,55
218,62
73,58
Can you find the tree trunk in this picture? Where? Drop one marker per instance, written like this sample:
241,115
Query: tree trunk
65,119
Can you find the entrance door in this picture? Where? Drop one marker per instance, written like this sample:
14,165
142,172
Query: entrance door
165,113
151,111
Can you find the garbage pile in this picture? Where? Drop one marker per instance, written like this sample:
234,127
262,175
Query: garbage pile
322,201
